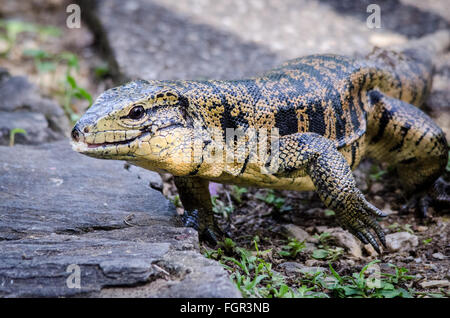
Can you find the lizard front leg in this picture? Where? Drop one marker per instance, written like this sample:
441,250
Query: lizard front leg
334,182
198,213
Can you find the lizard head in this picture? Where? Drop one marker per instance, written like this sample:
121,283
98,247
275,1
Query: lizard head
140,121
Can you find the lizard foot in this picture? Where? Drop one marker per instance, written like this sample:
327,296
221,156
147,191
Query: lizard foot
190,219
357,216
438,196
440,192
211,234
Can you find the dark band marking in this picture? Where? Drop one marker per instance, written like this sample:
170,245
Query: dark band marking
286,121
408,161
403,132
386,116
245,164
421,137
195,171
353,148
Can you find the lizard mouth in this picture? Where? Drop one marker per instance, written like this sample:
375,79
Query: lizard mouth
88,144
120,140
114,143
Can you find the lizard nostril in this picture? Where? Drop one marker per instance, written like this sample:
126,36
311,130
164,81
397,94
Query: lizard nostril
75,134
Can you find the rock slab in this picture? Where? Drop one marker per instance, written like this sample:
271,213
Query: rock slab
62,213
23,107
401,241
232,39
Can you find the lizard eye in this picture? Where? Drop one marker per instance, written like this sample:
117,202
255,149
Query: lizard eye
136,112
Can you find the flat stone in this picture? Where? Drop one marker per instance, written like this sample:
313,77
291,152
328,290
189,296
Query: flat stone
346,240
22,106
401,241
294,231
39,182
230,39
435,284
35,125
154,179
422,228
60,210
370,250
179,48
439,256
295,268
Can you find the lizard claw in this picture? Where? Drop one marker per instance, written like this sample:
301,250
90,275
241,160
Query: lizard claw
190,219
440,192
211,234
437,196
358,217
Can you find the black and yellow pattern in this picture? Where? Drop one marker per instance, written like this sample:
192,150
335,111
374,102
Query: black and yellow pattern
329,112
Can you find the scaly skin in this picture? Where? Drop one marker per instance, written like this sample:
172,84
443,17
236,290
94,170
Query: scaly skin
325,113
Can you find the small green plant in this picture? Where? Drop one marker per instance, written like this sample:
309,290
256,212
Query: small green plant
176,201
364,284
237,193
101,70
13,133
228,245
74,91
323,237
398,276
10,30
45,62
250,272
305,292
376,173
48,62
325,252
221,208
292,249
214,254
399,228
330,254
408,228
275,201
358,285
254,277
329,212
427,241
320,253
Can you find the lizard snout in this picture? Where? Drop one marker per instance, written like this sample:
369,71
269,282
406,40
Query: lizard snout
79,131
75,134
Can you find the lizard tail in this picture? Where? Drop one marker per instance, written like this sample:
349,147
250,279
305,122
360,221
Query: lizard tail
410,66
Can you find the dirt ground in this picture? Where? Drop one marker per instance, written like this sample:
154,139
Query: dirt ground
258,213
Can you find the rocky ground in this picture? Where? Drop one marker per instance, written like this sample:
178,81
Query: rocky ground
193,39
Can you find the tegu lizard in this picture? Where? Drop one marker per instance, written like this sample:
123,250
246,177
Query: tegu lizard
323,113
